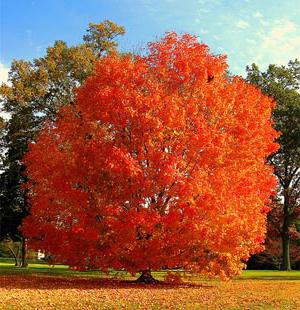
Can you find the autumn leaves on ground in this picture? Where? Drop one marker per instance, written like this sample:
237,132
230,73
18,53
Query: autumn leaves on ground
45,287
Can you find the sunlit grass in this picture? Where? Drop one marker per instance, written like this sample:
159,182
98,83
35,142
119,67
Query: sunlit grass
7,267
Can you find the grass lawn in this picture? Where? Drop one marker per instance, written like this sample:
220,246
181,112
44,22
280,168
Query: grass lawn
44,287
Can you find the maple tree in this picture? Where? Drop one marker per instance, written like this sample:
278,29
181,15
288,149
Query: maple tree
160,162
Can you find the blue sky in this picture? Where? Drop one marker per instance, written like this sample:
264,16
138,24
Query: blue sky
247,31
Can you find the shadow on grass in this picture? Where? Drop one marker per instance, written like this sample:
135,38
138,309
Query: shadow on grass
59,282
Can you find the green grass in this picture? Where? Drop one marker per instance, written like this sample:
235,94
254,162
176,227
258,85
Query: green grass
269,275
36,267
42,268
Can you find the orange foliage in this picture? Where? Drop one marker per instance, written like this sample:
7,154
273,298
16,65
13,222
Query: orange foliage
160,162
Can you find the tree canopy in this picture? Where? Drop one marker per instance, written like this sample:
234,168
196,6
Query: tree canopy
160,162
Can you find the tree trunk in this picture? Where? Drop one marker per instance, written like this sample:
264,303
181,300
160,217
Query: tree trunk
14,255
286,262
24,252
18,256
146,278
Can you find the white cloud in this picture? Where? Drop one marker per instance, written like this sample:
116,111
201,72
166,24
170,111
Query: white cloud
3,79
275,42
280,44
266,41
210,2
203,31
282,28
203,11
258,15
242,24
3,73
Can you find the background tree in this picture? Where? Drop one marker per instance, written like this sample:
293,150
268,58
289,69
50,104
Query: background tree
273,241
13,199
37,90
101,38
159,163
282,83
271,257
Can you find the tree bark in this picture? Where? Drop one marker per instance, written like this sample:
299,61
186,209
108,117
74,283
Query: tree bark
24,252
146,278
286,261
14,255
